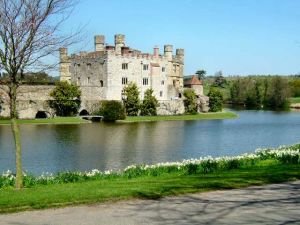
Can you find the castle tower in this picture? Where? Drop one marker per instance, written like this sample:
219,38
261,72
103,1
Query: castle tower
119,42
64,71
180,55
99,41
168,52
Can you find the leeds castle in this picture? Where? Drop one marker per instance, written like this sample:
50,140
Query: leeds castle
110,67
103,73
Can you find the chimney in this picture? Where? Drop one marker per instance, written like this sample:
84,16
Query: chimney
156,51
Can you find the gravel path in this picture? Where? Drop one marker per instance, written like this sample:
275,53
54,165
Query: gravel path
271,204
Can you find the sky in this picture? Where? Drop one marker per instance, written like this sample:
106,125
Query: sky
238,37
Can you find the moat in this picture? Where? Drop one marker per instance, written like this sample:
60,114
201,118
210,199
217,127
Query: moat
53,148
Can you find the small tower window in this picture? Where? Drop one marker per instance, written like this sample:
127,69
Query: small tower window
89,66
145,67
124,66
124,80
78,80
162,82
163,69
88,80
101,83
160,93
145,81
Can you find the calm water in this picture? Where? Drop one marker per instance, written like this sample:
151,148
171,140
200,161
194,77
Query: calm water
54,148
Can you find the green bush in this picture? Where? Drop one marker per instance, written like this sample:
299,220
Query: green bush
148,107
66,99
215,100
190,102
111,110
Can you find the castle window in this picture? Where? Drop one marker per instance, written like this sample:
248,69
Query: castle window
160,93
163,69
145,67
89,66
78,80
174,83
101,83
88,80
124,66
124,80
145,81
162,82
174,68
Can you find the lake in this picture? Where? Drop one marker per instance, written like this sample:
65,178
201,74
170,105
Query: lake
54,148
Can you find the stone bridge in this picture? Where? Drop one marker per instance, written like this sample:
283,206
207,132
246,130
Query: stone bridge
32,101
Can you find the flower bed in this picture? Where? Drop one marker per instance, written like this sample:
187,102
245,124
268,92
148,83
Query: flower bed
283,154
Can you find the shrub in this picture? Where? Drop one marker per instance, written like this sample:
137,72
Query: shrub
66,99
111,110
148,107
190,102
215,100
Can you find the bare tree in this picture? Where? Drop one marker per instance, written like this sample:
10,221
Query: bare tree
29,32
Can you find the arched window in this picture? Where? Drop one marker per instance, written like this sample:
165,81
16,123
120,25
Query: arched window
101,83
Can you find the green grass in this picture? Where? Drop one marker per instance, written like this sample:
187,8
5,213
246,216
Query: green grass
146,187
56,120
201,116
294,100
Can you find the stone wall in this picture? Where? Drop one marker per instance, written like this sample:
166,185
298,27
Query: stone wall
173,107
30,100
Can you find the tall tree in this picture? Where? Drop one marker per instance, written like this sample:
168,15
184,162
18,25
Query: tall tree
201,74
29,32
131,99
148,107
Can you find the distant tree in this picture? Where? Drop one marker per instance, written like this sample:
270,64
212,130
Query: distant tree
279,95
66,99
219,81
131,99
215,100
111,110
201,74
190,101
149,105
295,87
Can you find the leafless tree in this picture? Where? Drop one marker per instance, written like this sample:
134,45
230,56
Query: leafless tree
29,33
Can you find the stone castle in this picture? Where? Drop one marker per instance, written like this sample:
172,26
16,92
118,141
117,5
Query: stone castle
103,73
109,68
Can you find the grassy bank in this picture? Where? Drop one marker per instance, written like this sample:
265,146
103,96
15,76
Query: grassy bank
294,100
151,182
56,120
201,116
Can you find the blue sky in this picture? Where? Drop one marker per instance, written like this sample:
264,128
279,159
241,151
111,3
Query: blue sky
239,37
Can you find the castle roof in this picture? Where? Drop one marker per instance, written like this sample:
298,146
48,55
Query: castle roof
193,81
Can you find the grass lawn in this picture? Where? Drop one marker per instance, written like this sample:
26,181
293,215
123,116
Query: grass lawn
56,120
295,100
201,116
146,187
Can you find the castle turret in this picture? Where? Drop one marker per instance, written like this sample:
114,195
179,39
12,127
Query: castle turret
65,74
99,41
119,42
180,55
168,52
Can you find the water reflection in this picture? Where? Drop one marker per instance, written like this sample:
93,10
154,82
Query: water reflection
84,147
